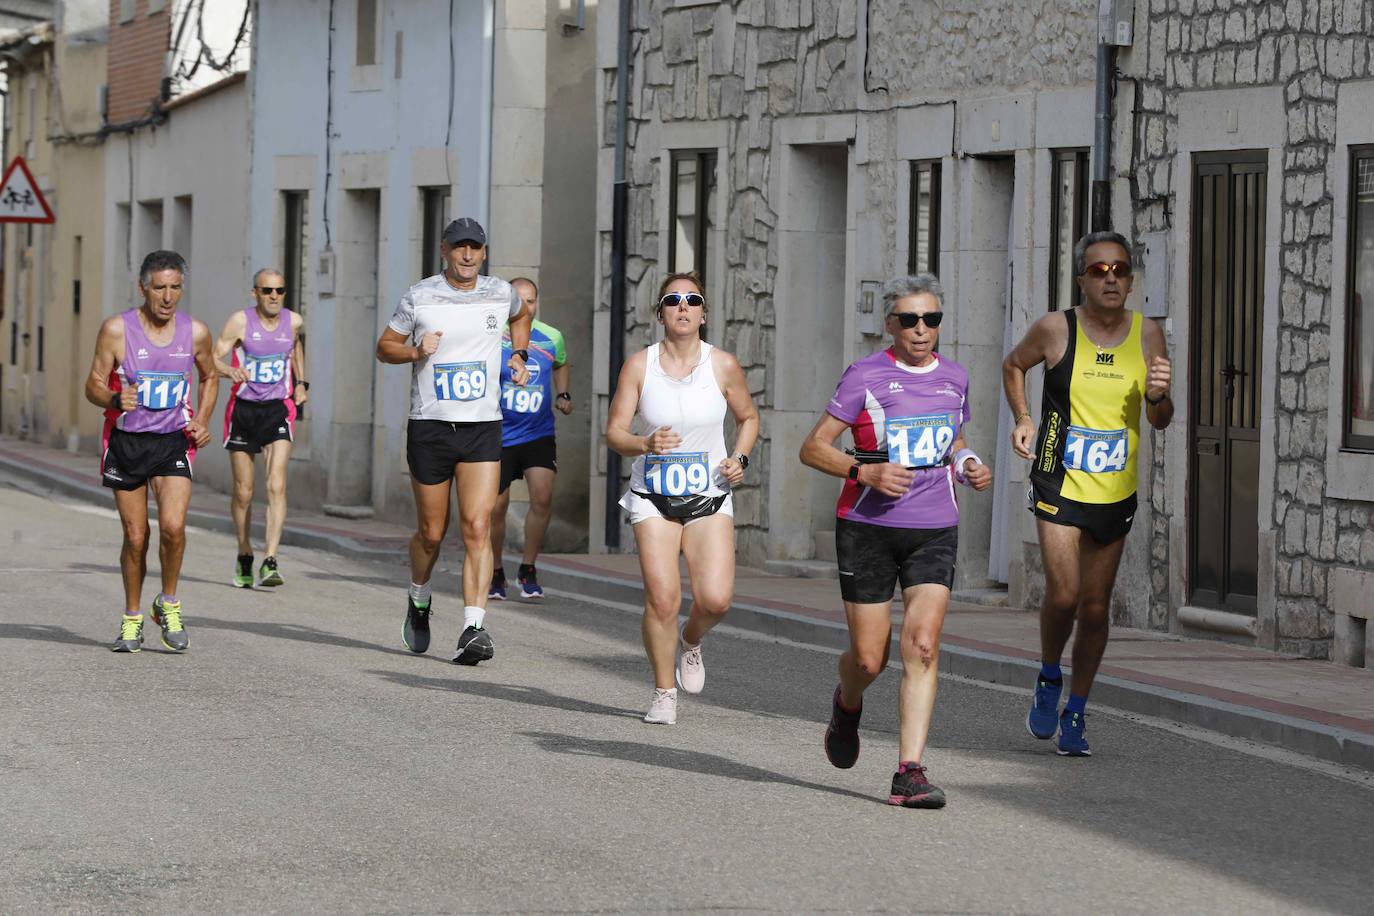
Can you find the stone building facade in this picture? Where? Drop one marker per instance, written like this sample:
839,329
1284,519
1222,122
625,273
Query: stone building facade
799,152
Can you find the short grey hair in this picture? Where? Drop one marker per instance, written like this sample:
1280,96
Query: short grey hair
158,261
266,270
1080,251
901,287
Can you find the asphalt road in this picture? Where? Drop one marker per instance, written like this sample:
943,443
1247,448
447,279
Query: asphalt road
298,760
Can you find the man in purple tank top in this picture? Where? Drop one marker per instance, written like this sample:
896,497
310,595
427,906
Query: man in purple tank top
141,376
267,366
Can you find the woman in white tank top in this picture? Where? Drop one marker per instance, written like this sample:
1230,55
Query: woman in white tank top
668,414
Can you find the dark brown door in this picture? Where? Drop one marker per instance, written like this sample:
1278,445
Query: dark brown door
1227,337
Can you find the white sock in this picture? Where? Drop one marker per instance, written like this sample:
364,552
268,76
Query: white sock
473,616
420,594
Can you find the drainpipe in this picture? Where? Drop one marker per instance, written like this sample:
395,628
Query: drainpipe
1102,139
620,212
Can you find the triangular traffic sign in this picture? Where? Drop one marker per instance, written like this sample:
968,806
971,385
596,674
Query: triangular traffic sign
20,199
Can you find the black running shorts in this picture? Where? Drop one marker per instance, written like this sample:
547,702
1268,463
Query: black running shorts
434,448
251,425
517,459
1107,523
874,558
132,459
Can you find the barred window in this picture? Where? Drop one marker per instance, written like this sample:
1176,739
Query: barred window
1359,363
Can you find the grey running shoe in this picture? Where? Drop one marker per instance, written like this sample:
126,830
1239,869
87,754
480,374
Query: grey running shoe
911,788
473,646
168,616
130,637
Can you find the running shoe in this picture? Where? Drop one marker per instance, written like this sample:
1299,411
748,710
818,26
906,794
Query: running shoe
842,735
498,585
168,616
911,788
663,708
415,631
268,575
529,585
1043,717
243,571
130,637
1071,741
473,646
691,673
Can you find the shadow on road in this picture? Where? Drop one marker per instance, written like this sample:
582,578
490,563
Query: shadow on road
151,584
293,631
673,758
514,693
381,581
46,633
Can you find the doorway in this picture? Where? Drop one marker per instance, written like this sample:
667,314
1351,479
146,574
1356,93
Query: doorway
355,365
1227,337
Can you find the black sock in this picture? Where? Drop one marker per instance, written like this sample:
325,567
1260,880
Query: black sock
526,569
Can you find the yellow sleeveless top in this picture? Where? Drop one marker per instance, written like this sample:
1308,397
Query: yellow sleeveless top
1090,419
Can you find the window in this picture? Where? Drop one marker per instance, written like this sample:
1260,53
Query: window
1068,223
1359,361
690,210
293,246
923,251
367,54
126,10
435,204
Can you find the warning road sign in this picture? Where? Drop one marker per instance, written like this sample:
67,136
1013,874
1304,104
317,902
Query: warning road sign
20,199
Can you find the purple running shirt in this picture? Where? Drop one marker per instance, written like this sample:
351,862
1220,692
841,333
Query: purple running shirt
162,376
915,415
266,358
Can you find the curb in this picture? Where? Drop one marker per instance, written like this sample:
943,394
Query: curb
962,657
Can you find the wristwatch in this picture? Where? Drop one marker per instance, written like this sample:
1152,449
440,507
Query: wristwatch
303,384
522,353
743,460
854,471
563,396
1156,403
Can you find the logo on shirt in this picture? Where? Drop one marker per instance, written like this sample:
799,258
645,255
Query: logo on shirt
181,464
1106,359
895,386
257,336
491,323
142,353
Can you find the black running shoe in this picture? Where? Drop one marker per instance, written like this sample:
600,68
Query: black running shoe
243,571
911,788
416,629
473,646
842,736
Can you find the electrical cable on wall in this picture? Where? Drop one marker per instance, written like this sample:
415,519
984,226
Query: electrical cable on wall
448,131
328,121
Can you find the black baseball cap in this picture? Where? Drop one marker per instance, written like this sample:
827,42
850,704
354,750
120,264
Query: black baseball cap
465,230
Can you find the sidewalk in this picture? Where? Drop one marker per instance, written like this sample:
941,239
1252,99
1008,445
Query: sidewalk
1312,707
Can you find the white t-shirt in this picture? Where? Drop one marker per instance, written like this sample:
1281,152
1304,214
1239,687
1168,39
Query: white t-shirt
461,382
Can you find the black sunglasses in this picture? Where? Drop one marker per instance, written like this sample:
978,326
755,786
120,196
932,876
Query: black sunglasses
1100,270
909,319
695,300
279,290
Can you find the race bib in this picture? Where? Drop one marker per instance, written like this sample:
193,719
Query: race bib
1096,451
161,390
677,473
265,369
522,400
460,381
922,441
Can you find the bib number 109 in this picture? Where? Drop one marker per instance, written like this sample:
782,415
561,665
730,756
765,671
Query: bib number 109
161,390
677,474
920,442
1095,451
460,381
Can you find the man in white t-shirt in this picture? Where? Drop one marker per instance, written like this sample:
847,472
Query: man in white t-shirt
448,327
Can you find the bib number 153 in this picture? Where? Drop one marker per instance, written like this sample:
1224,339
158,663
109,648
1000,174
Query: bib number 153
460,381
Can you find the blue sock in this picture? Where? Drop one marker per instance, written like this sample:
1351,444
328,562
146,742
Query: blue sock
1076,704
167,599
1051,672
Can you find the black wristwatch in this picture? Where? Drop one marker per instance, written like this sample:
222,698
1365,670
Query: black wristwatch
522,353
854,471
1156,403
302,383
563,396
743,460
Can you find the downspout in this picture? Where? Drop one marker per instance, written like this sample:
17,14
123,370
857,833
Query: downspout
619,210
1102,138
484,143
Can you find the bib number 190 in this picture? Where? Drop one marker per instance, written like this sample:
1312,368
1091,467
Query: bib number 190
460,381
677,474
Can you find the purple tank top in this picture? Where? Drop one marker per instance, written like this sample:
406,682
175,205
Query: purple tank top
162,376
266,358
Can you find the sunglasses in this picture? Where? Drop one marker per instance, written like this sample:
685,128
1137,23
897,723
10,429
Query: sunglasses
1099,271
910,319
694,300
279,290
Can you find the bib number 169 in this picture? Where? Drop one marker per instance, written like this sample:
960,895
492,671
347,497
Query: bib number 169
460,381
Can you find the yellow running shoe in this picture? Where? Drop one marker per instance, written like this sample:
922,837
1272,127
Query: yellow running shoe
130,634
168,616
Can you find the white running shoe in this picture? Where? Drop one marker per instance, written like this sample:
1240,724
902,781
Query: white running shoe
691,673
663,710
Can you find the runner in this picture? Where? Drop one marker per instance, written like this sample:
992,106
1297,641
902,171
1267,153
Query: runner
141,376
1098,358
448,328
261,413
897,520
528,449
679,498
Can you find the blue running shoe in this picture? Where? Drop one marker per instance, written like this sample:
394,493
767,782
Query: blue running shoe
529,585
497,590
1043,717
1071,740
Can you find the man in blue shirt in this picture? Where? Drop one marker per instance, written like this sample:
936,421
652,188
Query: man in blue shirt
527,442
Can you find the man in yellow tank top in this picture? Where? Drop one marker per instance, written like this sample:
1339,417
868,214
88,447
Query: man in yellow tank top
1101,362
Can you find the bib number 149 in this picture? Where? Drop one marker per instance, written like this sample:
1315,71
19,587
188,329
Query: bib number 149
919,442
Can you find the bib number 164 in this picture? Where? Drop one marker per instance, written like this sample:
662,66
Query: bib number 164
460,381
1096,451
